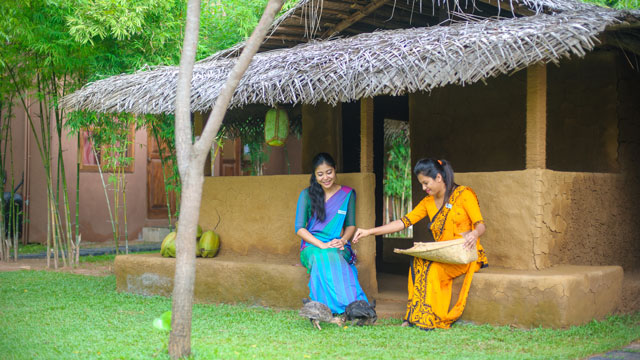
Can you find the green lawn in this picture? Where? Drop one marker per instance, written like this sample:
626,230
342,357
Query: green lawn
31,248
48,315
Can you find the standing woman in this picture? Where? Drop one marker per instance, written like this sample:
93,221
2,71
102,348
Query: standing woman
453,212
325,220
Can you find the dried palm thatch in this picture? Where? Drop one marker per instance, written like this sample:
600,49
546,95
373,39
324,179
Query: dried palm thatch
366,65
310,13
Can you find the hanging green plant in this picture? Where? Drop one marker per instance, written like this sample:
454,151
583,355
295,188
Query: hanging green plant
276,127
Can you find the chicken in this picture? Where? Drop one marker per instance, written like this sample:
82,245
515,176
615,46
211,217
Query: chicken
317,312
361,312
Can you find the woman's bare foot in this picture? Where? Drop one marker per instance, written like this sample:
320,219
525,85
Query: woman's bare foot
405,323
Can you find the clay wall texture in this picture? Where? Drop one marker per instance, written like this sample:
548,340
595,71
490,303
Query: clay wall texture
477,127
509,208
321,132
582,122
257,216
590,220
593,126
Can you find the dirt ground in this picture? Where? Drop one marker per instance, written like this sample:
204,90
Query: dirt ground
92,269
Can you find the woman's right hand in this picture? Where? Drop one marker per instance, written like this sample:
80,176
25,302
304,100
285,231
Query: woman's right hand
360,233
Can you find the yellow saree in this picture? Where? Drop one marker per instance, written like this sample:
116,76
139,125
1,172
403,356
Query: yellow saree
429,281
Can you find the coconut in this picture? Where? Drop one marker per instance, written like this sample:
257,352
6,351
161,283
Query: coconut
168,246
198,233
209,244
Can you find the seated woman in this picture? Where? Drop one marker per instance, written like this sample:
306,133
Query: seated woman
325,220
453,213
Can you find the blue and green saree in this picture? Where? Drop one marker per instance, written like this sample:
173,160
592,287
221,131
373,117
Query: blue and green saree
333,277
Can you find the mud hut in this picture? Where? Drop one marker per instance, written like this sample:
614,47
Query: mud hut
532,101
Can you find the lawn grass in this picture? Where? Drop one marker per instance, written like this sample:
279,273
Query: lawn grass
108,258
48,315
31,248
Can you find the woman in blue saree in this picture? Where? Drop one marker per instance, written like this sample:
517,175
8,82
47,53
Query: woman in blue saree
325,220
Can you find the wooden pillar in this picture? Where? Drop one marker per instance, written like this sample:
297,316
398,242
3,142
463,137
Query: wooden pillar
366,135
536,147
536,154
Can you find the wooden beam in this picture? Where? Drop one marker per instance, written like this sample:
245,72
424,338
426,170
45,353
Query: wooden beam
366,135
384,24
619,39
536,117
359,14
283,37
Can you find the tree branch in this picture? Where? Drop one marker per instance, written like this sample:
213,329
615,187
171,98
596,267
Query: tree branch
183,87
222,102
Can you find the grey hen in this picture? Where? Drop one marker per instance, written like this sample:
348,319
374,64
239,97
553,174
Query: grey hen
317,312
361,312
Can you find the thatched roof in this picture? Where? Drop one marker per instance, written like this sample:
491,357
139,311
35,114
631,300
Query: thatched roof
322,19
390,62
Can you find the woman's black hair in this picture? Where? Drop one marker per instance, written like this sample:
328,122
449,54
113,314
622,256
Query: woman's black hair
431,168
316,193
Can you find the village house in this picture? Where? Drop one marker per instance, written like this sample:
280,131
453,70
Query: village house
533,102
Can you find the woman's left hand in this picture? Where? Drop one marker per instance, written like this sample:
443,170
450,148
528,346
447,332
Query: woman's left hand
471,238
336,243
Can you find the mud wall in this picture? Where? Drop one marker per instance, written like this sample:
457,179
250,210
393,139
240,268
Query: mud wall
256,217
477,127
590,220
582,122
541,218
321,132
510,209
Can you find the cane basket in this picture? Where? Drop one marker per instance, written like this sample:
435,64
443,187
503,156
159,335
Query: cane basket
449,252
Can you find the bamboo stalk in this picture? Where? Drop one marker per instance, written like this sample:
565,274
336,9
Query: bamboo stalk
124,210
78,237
104,186
163,164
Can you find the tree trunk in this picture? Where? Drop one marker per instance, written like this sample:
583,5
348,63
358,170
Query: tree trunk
191,158
180,338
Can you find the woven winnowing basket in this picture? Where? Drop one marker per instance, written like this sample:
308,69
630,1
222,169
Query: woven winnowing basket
450,252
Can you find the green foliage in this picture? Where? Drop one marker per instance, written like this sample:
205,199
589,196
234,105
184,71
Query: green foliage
109,136
31,249
616,4
397,180
120,19
49,315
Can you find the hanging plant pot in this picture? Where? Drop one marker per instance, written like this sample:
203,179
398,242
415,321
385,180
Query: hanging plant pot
276,127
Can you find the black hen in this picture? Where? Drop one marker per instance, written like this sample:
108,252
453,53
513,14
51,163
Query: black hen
361,312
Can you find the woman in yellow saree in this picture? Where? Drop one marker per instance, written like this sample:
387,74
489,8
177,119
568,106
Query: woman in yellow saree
453,212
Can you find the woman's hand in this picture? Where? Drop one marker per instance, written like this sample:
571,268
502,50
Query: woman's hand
336,243
471,238
360,233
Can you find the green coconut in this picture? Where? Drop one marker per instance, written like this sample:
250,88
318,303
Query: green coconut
198,252
209,244
168,246
199,232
